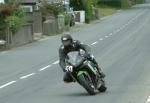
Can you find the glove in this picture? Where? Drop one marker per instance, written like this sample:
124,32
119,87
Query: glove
87,55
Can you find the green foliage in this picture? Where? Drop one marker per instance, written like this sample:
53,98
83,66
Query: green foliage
77,4
14,23
52,9
11,15
111,3
19,12
7,1
119,3
88,10
139,1
84,5
67,19
125,4
6,10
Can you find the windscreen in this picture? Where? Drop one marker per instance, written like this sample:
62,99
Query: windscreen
74,58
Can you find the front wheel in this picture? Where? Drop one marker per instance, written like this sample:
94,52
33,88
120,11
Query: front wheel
103,87
86,83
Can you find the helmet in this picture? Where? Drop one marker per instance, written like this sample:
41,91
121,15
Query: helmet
66,40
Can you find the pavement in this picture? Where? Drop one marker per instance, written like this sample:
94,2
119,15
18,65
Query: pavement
120,43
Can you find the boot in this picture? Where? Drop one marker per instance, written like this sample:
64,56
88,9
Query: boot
98,68
100,72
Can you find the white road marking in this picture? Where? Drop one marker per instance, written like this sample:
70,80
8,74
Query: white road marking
101,39
26,76
118,30
148,100
45,68
130,22
7,84
94,43
126,24
111,34
121,28
114,31
56,62
106,36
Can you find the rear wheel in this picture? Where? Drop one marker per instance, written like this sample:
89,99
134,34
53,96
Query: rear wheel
87,84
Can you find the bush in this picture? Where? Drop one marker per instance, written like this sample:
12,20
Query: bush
119,3
111,3
84,5
51,9
77,4
2,25
11,15
88,11
139,1
67,19
13,23
6,10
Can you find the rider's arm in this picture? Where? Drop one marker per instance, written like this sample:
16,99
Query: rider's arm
62,57
84,47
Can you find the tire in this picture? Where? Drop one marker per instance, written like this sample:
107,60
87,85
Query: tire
86,84
103,88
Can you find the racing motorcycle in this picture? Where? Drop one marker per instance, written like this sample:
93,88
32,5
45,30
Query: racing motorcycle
84,72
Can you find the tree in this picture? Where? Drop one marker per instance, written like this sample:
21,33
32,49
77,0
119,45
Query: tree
12,16
84,5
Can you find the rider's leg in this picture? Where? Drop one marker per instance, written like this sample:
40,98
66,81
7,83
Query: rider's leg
67,78
98,67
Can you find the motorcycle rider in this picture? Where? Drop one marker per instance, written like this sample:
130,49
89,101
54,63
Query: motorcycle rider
68,45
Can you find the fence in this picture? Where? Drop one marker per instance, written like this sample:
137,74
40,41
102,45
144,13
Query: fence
36,19
53,26
23,36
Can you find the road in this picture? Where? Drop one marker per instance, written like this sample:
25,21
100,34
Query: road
121,45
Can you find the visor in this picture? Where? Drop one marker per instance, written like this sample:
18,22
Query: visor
67,42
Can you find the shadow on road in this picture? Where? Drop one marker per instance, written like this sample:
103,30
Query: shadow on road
74,94
79,94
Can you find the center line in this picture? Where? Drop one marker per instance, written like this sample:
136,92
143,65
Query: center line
56,62
111,34
45,68
148,101
94,43
106,36
26,76
7,84
118,30
121,28
101,39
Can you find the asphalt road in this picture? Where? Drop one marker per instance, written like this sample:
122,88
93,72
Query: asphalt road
121,45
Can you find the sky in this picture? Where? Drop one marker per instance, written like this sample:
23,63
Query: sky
1,1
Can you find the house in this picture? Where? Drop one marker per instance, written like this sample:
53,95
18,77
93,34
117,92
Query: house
34,15
31,5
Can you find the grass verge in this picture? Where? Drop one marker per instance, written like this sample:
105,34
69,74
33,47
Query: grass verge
106,10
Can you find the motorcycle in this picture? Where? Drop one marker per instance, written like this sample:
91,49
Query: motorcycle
84,72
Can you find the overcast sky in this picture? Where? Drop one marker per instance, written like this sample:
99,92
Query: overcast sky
1,1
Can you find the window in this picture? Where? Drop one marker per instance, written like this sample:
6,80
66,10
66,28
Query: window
27,8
